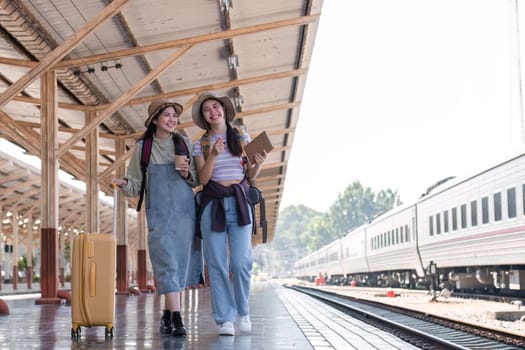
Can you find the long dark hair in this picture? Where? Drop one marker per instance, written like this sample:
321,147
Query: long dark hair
152,127
233,139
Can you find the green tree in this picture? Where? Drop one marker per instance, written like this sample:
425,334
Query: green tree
320,232
301,230
358,205
291,239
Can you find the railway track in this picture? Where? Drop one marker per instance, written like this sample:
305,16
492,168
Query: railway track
418,328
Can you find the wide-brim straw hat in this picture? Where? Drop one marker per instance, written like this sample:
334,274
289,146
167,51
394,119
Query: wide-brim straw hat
156,106
198,119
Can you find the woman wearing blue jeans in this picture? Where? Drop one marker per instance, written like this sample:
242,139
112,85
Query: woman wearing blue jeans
226,219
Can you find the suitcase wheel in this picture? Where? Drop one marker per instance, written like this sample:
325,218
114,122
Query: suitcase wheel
109,330
75,331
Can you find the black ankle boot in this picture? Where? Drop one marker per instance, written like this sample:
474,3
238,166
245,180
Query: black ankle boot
176,323
165,322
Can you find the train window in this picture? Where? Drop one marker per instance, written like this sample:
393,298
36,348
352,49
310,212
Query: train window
431,225
401,234
485,210
407,234
438,223
463,216
392,234
445,221
523,197
497,206
397,235
511,203
454,219
473,213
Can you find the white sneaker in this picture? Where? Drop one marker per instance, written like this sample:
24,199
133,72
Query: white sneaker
226,328
245,325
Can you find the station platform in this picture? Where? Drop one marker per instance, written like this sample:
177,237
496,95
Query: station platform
281,319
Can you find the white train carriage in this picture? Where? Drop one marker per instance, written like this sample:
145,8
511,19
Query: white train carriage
306,268
333,267
324,261
474,229
300,267
354,262
391,248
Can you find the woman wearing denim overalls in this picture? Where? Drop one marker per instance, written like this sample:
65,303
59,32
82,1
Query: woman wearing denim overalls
225,217
170,209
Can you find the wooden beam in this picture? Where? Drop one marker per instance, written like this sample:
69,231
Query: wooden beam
219,86
57,54
63,129
11,128
110,169
48,151
198,39
119,102
91,168
63,105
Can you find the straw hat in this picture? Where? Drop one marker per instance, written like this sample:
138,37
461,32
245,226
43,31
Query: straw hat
156,106
197,117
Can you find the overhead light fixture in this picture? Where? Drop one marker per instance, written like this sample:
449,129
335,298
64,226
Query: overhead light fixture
239,101
103,67
233,61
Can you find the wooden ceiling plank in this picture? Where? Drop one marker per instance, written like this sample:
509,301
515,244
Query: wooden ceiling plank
21,185
218,86
18,174
119,102
57,54
198,39
74,196
16,199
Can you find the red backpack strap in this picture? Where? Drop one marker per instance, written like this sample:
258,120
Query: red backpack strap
180,146
144,161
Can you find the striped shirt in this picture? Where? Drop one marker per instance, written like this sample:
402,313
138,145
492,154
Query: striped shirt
227,166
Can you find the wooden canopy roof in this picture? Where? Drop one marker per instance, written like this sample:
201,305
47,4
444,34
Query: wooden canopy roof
112,58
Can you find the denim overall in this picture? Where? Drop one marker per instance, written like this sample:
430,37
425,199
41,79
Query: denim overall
170,212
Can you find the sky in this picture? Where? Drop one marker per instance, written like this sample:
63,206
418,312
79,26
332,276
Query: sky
401,94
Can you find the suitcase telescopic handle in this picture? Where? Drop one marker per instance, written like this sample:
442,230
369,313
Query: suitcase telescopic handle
115,189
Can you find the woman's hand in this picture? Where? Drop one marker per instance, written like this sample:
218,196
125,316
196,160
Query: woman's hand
260,158
182,165
119,182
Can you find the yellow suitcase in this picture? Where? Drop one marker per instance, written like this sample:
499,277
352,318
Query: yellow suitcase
93,282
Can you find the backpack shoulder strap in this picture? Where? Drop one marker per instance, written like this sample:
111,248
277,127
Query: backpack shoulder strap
180,145
144,161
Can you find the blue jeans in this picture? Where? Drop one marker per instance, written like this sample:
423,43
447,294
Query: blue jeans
228,300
